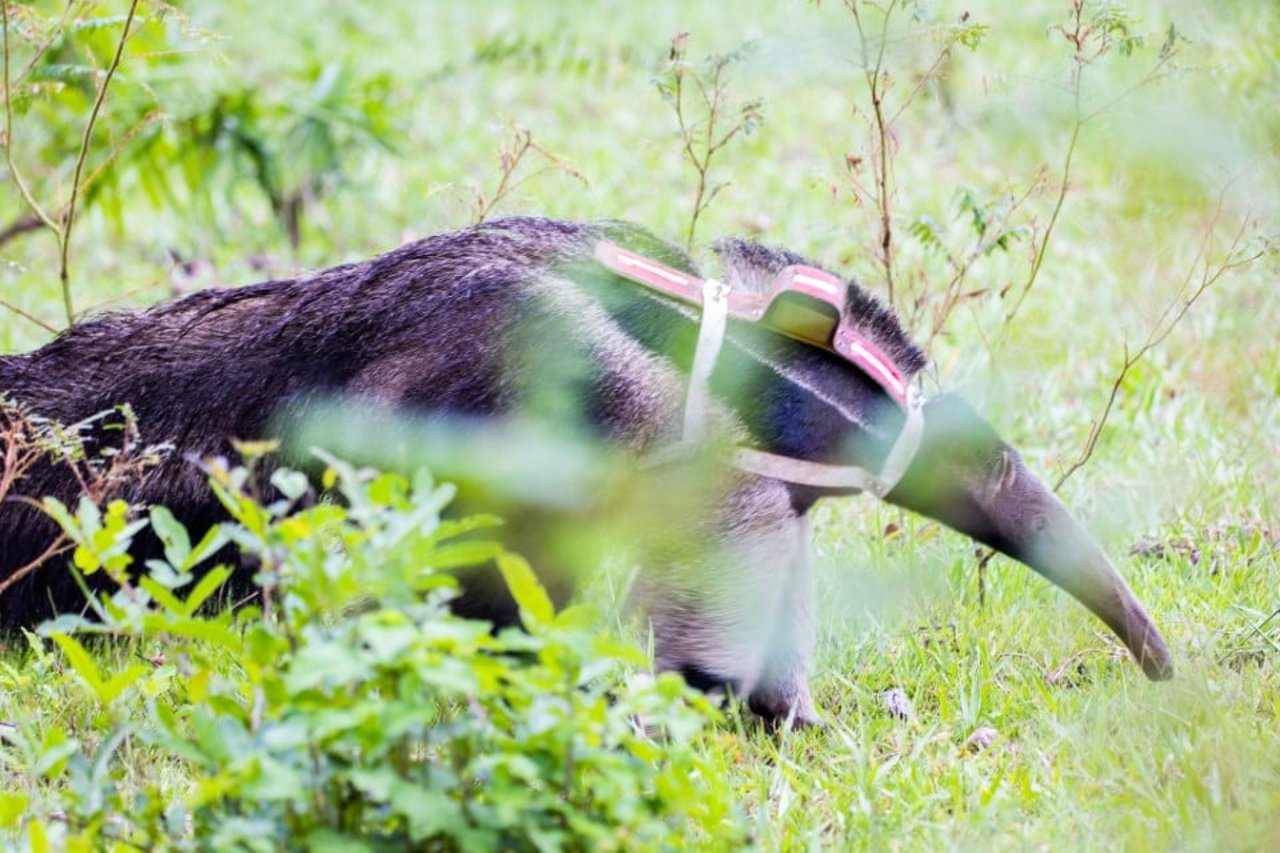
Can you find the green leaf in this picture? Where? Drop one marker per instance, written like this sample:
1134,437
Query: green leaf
427,812
12,807
80,661
326,663
207,586
163,574
453,527
329,479
58,511
579,617
276,781
387,642
86,560
37,838
193,628
213,540
375,782
529,593
81,25
64,73
55,750
83,664
65,623
471,553
292,484
330,841
122,681
162,596
174,537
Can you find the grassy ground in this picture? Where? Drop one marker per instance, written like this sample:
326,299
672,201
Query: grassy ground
1181,488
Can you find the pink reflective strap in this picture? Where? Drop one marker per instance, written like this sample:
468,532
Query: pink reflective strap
813,282
648,271
866,355
810,281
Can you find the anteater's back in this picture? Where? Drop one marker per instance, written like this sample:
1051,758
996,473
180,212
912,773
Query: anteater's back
423,326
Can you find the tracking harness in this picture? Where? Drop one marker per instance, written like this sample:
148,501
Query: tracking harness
803,303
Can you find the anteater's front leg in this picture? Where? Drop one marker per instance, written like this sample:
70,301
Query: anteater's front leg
783,686
736,610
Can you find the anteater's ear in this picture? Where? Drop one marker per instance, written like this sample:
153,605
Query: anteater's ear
750,267
1004,473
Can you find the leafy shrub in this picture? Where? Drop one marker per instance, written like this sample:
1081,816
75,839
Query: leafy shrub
182,127
347,708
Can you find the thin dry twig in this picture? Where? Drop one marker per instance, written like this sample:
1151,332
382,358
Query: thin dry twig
881,158
951,295
1088,45
68,221
511,155
56,548
1174,311
27,315
62,222
29,440
881,116
701,140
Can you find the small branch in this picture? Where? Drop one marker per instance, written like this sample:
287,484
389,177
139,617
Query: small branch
875,76
511,155
1168,321
701,141
1087,45
951,293
58,547
1064,184
22,225
124,139
924,78
14,172
1096,429
27,315
69,220
881,114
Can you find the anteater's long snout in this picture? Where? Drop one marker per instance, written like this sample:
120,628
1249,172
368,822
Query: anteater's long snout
1064,553
967,478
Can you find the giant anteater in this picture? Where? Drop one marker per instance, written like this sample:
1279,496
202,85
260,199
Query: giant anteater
456,323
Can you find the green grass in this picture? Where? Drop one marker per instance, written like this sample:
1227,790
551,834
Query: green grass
1089,754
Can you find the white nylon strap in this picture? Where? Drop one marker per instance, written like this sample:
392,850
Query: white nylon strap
904,449
715,311
843,477
803,472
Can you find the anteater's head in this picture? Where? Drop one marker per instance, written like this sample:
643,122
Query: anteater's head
967,478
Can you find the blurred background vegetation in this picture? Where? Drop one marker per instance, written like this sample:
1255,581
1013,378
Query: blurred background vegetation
1056,189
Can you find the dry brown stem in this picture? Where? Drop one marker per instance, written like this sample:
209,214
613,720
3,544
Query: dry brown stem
881,116
63,222
1202,273
27,440
702,139
1088,44
512,155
